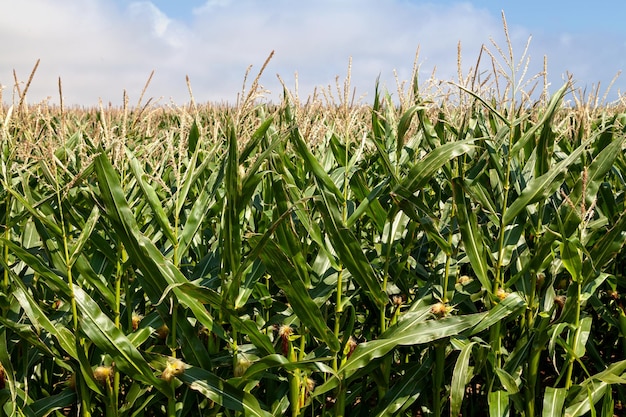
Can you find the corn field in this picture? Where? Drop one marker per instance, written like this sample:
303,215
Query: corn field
420,257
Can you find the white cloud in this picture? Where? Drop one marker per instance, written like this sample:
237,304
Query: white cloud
144,14
211,4
99,49
157,20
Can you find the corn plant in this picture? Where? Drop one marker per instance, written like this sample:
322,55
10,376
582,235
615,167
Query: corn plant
446,256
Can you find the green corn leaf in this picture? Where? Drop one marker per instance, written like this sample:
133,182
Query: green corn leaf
483,197
258,242
514,244
287,192
255,138
29,334
209,296
590,393
279,361
433,136
423,170
312,228
511,306
512,388
545,146
188,338
608,404
231,235
35,210
581,336
313,164
193,223
45,406
572,257
284,274
593,389
408,320
151,197
190,176
461,376
349,251
596,173
608,245
410,206
544,123
492,110
103,333
287,237
121,215
54,278
498,404
384,157
403,127
84,236
250,181
606,202
200,208
192,140
339,150
541,187
553,401
86,371
369,201
419,333
472,236
158,272
405,391
98,246
223,393
38,317
5,360
381,131
248,327
507,381
53,245
613,379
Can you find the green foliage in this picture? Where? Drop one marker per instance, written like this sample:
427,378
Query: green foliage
412,259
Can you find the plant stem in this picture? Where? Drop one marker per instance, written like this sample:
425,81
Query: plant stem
440,357
340,403
340,392
121,259
383,315
171,405
496,330
7,236
66,254
173,345
574,337
85,403
303,377
111,410
294,380
446,276
338,311
532,370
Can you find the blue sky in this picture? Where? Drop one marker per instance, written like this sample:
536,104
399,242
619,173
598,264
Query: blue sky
100,48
